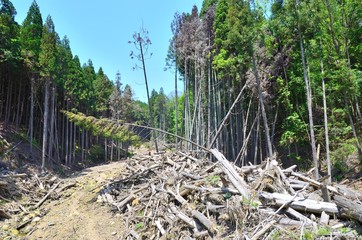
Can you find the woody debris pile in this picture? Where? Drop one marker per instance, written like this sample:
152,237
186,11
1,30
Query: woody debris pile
180,196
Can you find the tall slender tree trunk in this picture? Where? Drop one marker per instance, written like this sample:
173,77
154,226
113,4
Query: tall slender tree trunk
8,102
263,112
176,105
105,150
354,132
187,106
45,124
70,144
2,93
219,108
52,122
209,115
328,161
31,118
83,144
256,136
112,142
17,118
148,94
309,103
67,139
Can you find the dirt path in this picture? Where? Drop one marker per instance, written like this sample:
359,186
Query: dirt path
77,215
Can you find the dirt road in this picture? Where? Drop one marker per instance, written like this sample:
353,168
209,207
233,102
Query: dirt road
77,215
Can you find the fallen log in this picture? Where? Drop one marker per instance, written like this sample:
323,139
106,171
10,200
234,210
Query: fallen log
189,221
121,205
348,193
205,221
349,208
299,216
298,203
263,230
314,182
234,177
46,196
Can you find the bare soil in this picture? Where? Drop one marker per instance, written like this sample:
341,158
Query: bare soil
78,215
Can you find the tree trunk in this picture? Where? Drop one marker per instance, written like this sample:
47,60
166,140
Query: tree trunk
45,124
176,105
148,94
17,120
105,150
67,139
309,103
52,123
8,102
263,112
328,161
83,144
112,142
31,119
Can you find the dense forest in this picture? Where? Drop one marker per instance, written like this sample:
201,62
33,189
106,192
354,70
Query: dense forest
280,78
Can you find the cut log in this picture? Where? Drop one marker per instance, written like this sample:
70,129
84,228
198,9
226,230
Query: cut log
234,177
179,198
349,208
285,180
19,175
263,230
349,193
324,218
159,226
188,156
221,190
298,203
299,216
291,222
205,221
290,169
122,204
314,182
46,196
189,221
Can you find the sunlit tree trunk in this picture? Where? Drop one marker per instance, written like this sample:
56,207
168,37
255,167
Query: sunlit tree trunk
328,161
309,104
45,124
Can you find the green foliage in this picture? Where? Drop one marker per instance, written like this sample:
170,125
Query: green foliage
104,127
139,226
340,155
47,56
213,179
295,130
309,235
323,231
103,88
206,4
30,37
250,203
96,152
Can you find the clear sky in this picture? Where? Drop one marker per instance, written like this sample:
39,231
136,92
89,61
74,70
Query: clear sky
100,31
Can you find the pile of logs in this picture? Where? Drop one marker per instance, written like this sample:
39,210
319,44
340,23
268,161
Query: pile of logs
176,195
31,189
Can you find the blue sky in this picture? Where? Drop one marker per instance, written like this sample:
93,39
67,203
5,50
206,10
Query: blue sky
100,31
